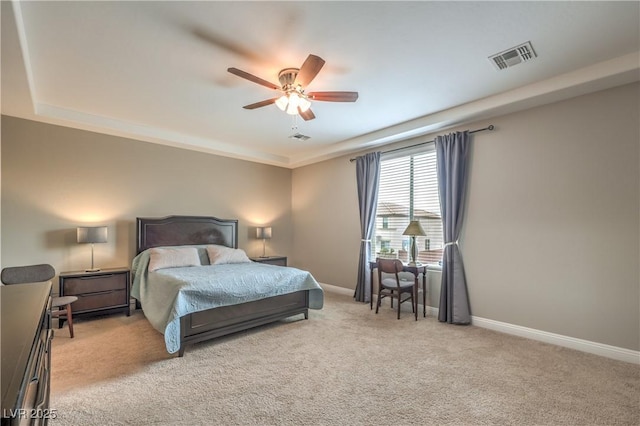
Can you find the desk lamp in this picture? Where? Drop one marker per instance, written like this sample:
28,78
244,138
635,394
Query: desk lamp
413,230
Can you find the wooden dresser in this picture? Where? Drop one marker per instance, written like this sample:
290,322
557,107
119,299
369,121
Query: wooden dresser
26,353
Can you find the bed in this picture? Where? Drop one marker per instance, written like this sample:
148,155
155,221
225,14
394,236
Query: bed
181,302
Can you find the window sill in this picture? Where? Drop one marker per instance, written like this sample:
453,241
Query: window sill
434,267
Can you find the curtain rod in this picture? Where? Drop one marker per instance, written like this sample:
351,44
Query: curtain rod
490,127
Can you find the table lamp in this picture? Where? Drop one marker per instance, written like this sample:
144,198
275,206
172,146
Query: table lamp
263,232
413,230
92,235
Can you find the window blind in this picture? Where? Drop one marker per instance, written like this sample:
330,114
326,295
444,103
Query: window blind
408,191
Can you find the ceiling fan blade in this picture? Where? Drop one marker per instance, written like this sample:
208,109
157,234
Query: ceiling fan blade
333,96
253,78
309,69
307,115
260,104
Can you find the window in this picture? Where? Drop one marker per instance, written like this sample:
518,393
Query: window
408,191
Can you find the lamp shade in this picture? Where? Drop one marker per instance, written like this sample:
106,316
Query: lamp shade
263,232
414,229
92,234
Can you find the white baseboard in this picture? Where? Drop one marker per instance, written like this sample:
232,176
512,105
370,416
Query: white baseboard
336,289
613,352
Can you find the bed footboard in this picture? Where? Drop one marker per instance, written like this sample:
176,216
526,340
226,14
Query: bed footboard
205,325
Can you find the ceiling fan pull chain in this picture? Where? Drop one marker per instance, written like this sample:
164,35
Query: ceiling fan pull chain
294,122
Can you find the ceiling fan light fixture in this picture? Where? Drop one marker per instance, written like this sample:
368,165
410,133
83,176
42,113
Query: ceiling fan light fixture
282,102
304,104
290,103
294,101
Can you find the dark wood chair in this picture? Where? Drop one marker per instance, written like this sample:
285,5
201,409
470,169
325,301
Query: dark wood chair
394,287
61,306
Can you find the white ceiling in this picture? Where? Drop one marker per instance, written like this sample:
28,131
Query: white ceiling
156,70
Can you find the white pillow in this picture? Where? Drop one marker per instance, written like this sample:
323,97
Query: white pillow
222,254
173,257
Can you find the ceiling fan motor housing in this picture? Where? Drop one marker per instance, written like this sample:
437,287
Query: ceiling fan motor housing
287,78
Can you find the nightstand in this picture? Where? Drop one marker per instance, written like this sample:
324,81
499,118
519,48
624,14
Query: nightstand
102,292
271,260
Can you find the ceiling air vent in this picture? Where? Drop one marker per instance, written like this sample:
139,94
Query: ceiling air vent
300,137
513,56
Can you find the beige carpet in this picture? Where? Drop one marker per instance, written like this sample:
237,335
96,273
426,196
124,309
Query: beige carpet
344,366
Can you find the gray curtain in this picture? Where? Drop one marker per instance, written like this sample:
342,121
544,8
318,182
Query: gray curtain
452,153
368,179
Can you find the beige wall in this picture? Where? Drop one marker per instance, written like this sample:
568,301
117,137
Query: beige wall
327,231
55,179
551,240
565,181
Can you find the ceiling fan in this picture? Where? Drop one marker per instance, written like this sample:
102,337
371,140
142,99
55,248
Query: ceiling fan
293,82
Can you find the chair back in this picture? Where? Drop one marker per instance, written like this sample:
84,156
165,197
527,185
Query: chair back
27,274
389,266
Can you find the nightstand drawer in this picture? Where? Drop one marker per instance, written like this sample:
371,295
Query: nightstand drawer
106,299
92,284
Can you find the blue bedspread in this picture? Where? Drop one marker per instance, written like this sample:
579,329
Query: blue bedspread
168,294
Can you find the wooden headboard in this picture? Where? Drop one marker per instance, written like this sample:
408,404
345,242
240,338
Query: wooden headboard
185,230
